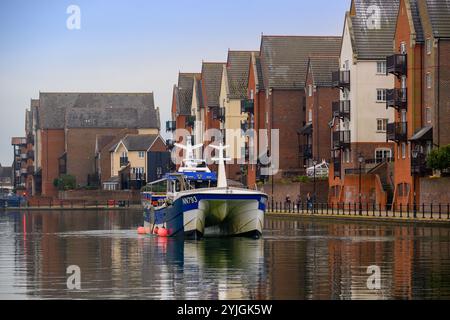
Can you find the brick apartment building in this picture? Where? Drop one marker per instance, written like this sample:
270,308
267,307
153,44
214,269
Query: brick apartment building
284,65
321,106
361,169
67,125
421,64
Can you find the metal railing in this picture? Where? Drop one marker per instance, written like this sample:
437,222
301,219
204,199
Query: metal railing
430,211
396,64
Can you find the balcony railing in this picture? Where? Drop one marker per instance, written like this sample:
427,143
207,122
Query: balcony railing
30,139
419,166
30,170
341,139
337,167
397,99
341,109
190,121
341,79
218,114
30,154
24,171
247,106
171,126
306,151
396,64
23,156
397,131
124,161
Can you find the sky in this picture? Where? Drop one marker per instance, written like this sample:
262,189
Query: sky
133,45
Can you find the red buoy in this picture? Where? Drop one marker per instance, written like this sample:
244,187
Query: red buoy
155,231
141,230
162,232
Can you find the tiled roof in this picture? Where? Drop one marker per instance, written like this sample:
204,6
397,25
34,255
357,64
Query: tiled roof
212,78
439,13
370,42
237,73
284,59
417,21
97,110
259,72
199,95
139,142
321,68
185,89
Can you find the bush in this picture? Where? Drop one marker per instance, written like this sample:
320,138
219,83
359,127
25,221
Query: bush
65,182
302,179
439,159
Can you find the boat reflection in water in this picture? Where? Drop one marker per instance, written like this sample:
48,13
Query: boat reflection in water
208,269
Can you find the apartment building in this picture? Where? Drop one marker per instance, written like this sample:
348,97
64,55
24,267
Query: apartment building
420,96
360,171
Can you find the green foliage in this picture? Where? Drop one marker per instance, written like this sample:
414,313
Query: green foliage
302,179
439,159
65,182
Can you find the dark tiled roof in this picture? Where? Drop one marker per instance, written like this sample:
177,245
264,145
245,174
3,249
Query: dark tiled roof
139,142
98,110
102,141
259,72
321,68
237,73
285,58
373,43
199,95
212,78
185,89
416,20
439,13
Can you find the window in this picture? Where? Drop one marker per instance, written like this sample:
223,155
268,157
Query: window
429,46
347,156
310,90
403,48
382,125
347,65
141,154
252,94
124,155
429,80
428,114
310,115
381,67
382,155
403,150
381,95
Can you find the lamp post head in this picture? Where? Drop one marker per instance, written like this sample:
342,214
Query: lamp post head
360,159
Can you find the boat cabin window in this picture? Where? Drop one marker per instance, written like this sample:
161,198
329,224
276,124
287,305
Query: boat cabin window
174,186
202,184
158,187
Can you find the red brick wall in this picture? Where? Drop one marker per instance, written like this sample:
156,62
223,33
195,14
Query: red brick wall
443,118
53,146
432,191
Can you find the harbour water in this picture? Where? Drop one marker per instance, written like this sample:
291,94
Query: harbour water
296,259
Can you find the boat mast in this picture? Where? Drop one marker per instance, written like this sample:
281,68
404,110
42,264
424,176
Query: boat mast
222,176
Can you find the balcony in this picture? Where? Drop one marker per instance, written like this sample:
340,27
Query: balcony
170,144
341,79
397,132
341,140
171,126
190,121
247,106
306,151
396,65
419,166
23,171
124,161
337,165
218,114
30,170
23,156
30,139
244,126
30,155
397,99
341,109
18,141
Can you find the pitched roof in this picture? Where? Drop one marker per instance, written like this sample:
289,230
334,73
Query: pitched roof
321,69
370,42
211,78
185,88
97,110
285,58
139,142
439,13
259,72
416,20
238,64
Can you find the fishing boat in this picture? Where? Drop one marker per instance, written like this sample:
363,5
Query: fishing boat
195,202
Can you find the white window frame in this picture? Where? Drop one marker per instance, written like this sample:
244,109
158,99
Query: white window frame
383,122
310,90
429,46
381,93
141,154
428,116
310,115
429,80
403,146
381,68
386,153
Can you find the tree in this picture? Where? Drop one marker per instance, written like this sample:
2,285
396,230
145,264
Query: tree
439,159
65,182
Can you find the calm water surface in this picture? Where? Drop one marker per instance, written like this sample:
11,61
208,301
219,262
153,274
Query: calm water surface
295,260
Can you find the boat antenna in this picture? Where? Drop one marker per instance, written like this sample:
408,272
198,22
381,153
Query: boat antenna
222,179
189,149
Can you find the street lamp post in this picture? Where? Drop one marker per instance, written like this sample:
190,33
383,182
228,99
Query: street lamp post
360,160
415,155
314,193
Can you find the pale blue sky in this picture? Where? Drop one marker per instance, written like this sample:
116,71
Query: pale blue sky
133,45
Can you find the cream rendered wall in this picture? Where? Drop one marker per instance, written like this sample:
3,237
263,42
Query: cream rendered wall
364,82
133,159
233,118
148,131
